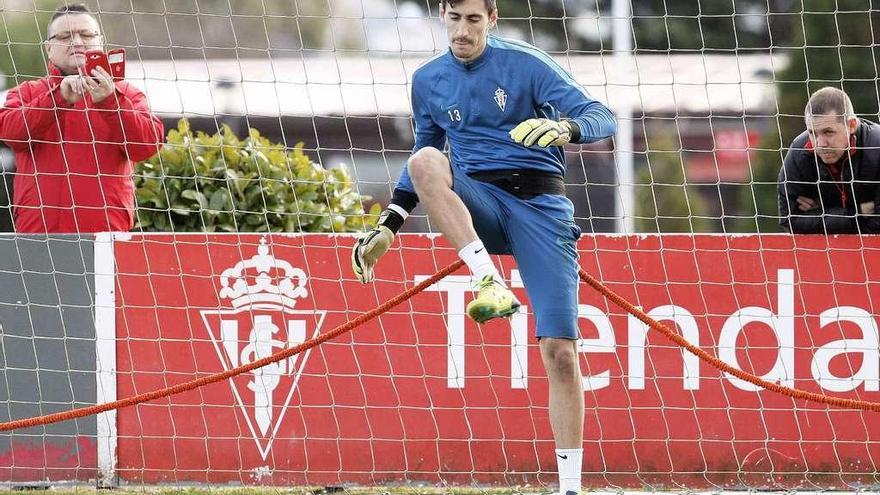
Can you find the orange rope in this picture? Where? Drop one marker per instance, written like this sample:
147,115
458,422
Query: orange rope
183,387
592,282
721,365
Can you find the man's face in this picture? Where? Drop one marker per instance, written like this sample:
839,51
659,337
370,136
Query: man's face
830,135
467,26
70,36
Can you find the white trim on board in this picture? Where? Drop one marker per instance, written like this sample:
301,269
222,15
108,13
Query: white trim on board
105,353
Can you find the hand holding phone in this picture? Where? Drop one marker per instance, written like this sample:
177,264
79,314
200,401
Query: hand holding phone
95,59
113,62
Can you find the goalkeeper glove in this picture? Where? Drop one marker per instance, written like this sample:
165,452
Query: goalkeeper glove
370,247
543,132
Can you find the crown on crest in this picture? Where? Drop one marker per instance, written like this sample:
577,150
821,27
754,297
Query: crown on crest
264,291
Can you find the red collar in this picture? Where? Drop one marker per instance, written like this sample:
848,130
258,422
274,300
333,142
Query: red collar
55,75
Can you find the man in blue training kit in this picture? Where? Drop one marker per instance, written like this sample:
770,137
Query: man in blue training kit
501,191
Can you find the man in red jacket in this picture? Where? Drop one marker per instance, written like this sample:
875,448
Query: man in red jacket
76,137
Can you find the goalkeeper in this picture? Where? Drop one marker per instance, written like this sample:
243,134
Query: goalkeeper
501,191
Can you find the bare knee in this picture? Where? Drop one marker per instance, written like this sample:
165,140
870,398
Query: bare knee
560,357
428,168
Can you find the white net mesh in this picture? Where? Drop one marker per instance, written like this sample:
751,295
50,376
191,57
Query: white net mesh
298,119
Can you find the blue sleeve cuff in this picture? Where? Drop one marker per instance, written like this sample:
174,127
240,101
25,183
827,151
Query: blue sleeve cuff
596,125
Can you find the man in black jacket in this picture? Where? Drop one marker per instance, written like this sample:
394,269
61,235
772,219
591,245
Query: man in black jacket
830,180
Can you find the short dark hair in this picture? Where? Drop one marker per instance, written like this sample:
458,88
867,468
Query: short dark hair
491,5
830,101
68,8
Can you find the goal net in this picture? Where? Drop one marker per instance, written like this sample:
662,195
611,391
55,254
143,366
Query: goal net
287,123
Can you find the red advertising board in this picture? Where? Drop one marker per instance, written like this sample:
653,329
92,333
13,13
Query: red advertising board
422,394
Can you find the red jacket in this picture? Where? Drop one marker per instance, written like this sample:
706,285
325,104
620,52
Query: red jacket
74,162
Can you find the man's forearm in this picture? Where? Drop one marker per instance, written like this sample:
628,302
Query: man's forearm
402,203
839,221
130,124
404,200
27,121
595,124
804,224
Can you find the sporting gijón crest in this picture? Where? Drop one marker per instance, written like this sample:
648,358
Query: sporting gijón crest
261,321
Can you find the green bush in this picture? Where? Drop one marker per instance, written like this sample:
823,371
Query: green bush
220,183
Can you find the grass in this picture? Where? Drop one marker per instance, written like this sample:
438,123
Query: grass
397,490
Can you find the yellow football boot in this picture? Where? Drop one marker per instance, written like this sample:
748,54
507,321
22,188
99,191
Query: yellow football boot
493,301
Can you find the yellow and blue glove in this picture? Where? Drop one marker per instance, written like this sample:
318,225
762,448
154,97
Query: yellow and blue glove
543,132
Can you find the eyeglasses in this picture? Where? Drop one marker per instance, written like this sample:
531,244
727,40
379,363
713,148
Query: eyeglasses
66,36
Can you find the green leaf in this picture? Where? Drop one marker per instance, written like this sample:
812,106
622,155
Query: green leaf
220,200
196,196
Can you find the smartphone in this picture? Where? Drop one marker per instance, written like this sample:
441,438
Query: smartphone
95,59
116,59
113,62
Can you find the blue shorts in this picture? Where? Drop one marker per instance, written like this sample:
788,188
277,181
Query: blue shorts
541,235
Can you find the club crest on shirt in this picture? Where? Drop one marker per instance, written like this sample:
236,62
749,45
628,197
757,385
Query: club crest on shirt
501,98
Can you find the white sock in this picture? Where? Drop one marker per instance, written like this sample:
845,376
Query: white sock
569,462
478,261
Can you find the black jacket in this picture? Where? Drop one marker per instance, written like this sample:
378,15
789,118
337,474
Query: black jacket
804,174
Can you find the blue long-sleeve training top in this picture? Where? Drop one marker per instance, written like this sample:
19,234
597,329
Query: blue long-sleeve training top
475,104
